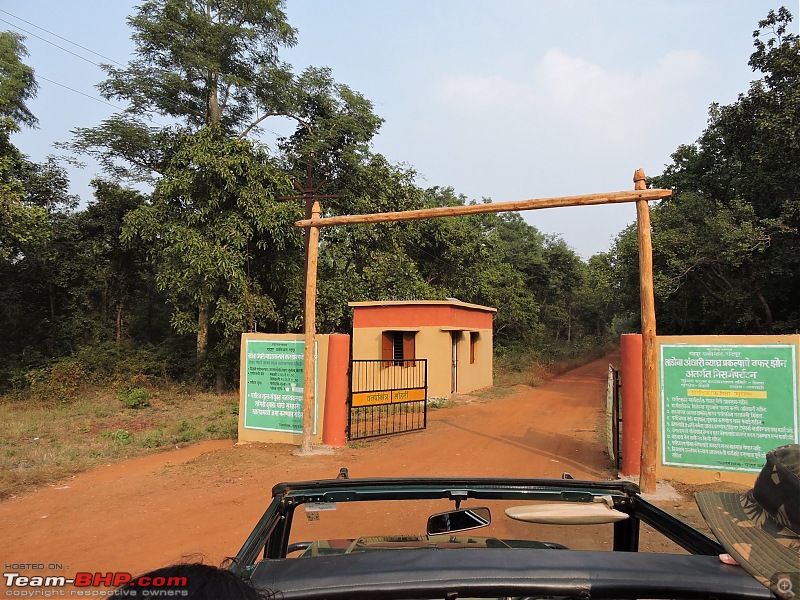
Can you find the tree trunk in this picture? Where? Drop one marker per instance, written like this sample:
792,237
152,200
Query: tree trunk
51,337
214,112
202,330
119,321
219,382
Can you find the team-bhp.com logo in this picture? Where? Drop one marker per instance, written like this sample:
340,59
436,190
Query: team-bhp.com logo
88,584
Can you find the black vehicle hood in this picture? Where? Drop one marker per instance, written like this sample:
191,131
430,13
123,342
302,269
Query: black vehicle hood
494,573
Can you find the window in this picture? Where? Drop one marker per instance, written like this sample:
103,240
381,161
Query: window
473,344
398,347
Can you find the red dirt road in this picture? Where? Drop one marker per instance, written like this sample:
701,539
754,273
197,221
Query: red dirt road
201,502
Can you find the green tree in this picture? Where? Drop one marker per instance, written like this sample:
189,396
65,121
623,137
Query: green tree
725,245
364,262
595,299
213,67
20,223
212,209
117,278
36,279
17,81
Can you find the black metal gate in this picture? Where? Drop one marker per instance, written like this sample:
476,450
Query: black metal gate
614,416
387,397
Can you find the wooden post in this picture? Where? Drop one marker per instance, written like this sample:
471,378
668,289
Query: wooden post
647,468
310,330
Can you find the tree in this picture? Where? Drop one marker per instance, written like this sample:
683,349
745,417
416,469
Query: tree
214,206
213,67
724,246
17,81
117,277
204,62
20,223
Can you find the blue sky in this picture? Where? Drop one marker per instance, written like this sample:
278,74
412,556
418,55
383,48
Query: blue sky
508,100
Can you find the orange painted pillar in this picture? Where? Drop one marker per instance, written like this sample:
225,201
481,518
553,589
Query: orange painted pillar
337,387
632,402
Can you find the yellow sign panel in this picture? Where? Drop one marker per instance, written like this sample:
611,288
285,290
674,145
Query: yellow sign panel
371,398
408,395
727,393
387,397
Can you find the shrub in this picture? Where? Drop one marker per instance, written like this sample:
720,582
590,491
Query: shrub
122,437
135,398
59,382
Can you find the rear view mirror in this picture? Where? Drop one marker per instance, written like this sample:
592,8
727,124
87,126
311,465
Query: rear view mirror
459,520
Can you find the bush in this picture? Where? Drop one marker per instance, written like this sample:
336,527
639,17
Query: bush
122,437
135,397
60,382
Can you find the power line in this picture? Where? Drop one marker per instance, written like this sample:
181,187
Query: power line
55,35
188,107
91,62
38,76
79,92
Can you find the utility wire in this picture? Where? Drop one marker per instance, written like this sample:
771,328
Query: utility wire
91,62
55,35
190,109
78,92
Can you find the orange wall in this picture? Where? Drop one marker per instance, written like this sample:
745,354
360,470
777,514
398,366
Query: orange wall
435,345
435,322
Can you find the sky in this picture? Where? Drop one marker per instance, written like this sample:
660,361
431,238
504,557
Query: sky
505,100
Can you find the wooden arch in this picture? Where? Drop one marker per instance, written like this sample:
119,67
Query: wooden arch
641,196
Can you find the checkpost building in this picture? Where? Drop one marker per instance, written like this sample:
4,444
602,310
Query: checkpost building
455,337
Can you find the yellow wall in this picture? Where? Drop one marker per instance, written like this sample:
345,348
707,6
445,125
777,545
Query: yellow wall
258,435
701,476
435,345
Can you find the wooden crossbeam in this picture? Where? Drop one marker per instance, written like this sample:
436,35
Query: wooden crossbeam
471,209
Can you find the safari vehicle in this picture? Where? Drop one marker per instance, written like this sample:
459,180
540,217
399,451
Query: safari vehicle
478,538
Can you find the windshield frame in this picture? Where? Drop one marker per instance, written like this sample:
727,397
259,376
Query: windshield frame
270,537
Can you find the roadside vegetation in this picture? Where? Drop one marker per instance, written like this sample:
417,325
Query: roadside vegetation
45,439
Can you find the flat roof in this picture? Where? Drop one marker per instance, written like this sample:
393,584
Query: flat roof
453,303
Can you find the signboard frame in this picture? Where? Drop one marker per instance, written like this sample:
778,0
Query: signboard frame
269,364
725,404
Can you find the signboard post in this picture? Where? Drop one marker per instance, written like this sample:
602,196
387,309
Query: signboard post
725,406
274,385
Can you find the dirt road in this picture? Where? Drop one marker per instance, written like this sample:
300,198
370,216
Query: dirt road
201,502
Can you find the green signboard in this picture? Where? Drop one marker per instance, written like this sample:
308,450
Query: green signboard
273,386
725,406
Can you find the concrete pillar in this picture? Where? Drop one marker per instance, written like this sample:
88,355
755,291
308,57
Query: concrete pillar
337,387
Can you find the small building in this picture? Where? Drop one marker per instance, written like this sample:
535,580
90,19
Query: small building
455,337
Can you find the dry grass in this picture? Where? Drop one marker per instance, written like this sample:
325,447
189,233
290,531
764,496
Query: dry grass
43,442
534,375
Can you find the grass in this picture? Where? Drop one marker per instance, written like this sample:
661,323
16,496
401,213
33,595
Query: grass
46,441
534,375
494,393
